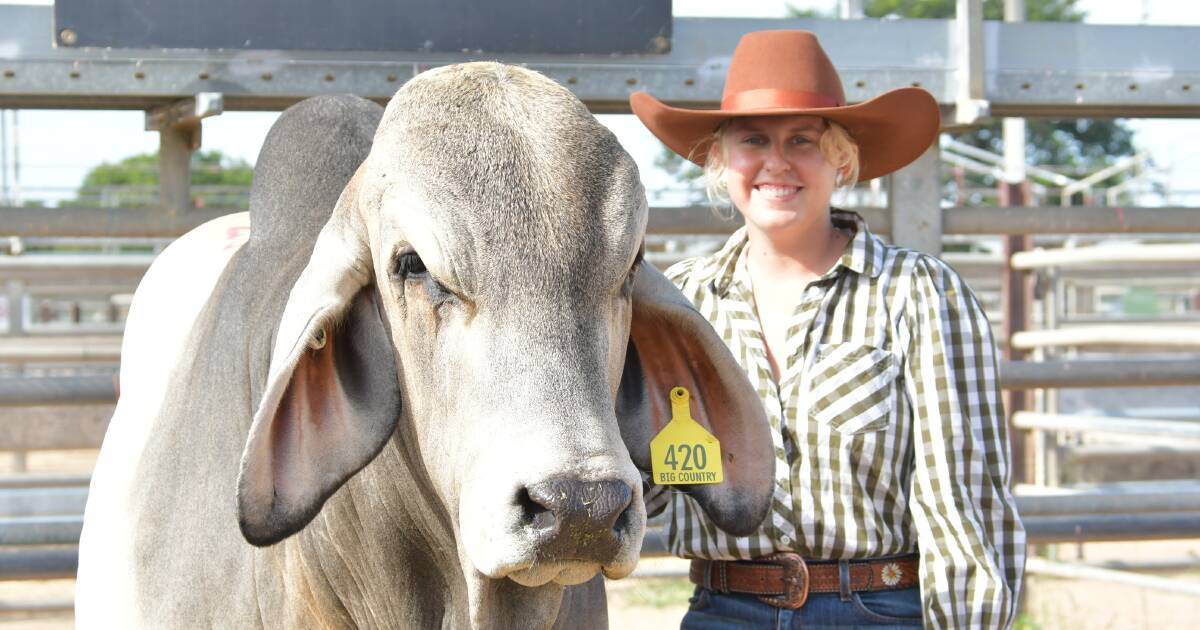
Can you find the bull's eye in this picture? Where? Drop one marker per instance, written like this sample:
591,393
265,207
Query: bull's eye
408,264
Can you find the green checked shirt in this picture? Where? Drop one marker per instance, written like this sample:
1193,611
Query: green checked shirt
889,433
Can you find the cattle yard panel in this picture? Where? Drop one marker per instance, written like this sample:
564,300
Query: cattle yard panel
1043,69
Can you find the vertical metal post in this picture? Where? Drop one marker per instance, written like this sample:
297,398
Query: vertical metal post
16,309
16,161
915,201
16,327
175,146
4,157
1016,290
1016,293
971,98
178,127
850,9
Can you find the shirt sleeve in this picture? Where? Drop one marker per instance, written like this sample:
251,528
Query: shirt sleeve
971,540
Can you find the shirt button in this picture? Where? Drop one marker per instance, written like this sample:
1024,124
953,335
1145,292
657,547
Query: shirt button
785,539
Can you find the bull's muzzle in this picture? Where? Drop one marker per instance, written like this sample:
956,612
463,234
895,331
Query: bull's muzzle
577,520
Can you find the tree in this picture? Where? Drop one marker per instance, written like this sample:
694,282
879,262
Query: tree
1035,10
1081,145
217,181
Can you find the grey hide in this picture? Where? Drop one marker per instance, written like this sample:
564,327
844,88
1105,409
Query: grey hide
410,390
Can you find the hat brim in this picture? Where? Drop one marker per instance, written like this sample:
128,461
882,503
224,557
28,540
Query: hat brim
891,130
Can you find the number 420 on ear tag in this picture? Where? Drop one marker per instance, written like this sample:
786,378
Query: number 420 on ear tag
683,452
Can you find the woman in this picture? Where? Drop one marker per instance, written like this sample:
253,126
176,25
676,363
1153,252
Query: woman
875,364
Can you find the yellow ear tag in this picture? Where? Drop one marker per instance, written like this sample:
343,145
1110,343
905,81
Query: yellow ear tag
683,452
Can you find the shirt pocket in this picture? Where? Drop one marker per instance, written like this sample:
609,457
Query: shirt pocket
853,387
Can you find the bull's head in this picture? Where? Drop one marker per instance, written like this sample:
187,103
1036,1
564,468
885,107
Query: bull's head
479,297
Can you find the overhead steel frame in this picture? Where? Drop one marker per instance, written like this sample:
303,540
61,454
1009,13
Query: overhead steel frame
1028,69
972,67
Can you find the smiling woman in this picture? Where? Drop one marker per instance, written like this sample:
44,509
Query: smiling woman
875,365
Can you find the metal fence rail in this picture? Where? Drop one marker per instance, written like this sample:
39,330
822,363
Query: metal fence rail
1041,566
59,390
1177,337
158,222
40,530
56,390
39,563
1144,427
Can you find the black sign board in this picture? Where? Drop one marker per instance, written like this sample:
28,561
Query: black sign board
473,26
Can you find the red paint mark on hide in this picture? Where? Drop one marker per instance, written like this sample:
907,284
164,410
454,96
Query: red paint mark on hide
236,236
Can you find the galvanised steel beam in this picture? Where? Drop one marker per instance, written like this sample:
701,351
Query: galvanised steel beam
1029,69
64,530
156,222
20,391
23,563
56,390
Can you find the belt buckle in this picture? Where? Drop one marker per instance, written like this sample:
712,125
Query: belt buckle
795,580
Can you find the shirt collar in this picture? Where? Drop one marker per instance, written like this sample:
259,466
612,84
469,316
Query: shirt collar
725,262
863,254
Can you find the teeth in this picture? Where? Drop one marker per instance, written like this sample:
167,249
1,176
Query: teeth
772,190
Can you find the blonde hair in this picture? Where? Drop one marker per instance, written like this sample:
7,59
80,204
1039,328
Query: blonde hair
836,145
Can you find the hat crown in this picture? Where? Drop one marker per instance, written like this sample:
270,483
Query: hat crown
782,61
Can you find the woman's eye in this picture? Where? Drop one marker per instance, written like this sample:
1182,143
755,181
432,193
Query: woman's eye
408,264
801,140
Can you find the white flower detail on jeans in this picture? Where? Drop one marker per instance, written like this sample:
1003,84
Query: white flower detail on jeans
891,574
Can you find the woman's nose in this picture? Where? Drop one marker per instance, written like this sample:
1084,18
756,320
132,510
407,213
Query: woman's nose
775,161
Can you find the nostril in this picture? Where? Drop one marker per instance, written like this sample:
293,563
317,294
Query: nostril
594,504
534,514
622,524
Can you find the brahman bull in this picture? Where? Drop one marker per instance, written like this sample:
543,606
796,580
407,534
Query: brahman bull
421,403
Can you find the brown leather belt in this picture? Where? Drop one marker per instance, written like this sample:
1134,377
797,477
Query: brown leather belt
784,580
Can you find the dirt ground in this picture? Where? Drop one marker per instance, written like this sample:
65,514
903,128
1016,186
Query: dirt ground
652,603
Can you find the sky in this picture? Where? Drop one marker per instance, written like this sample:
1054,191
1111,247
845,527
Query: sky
57,148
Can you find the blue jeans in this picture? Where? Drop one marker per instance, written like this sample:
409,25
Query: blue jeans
878,610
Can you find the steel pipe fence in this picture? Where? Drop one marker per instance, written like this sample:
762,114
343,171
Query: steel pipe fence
28,561
1142,253
1083,516
1041,566
43,480
61,349
1092,373
159,222
57,390
39,563
1142,427
1175,337
21,502
63,562
1103,503
40,530
1075,373
47,608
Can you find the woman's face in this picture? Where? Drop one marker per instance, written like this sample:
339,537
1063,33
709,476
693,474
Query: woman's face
775,172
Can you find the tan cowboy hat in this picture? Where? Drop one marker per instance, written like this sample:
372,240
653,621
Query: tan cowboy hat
782,73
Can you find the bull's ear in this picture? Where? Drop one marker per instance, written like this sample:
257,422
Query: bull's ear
332,396
671,345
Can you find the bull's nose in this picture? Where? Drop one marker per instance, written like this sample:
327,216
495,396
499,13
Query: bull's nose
571,519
